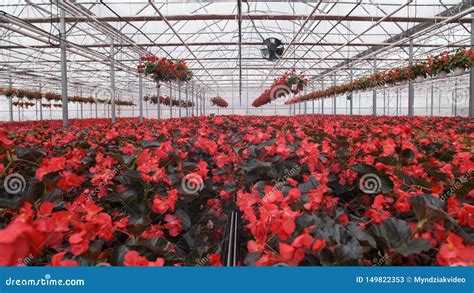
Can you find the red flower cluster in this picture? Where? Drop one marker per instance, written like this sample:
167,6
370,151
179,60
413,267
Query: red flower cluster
219,102
312,190
289,82
165,70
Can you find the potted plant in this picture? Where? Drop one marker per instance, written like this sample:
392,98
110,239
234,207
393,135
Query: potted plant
9,92
460,61
440,65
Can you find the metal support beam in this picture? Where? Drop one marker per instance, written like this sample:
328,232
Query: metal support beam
10,102
187,99
81,107
334,111
112,80
432,99
171,104
158,104
179,100
140,97
411,88
192,99
374,93
351,101
398,103
41,102
203,102
64,96
322,99
471,76
239,19
196,94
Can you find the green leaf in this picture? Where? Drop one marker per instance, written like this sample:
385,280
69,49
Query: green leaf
415,246
363,169
428,208
150,144
29,154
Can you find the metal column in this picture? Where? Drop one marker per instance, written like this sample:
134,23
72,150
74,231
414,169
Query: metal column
397,104
432,98
140,97
455,100
384,103
62,36
158,104
41,102
179,100
81,106
351,101
334,106
374,93
187,100
112,80
203,102
171,101
322,98
96,106
471,75
411,89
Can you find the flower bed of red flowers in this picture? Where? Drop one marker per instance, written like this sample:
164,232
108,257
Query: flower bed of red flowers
289,82
219,102
102,194
444,62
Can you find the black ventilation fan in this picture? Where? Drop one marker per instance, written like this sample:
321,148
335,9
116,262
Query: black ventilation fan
274,49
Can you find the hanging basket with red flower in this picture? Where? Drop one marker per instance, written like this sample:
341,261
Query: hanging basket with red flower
9,92
167,101
219,102
439,63
52,96
290,82
164,69
33,95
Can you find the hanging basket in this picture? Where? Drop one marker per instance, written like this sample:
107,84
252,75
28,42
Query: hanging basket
419,78
442,74
458,71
